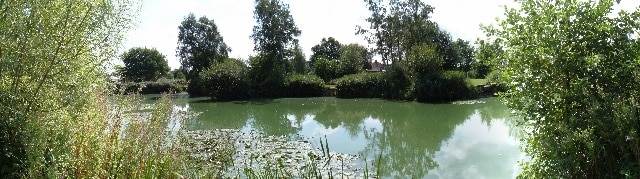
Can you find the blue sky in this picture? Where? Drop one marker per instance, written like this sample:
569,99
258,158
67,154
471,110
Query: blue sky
158,21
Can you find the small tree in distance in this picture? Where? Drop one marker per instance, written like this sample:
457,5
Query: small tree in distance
144,64
328,48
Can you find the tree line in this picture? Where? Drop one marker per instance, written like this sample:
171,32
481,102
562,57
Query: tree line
571,69
399,30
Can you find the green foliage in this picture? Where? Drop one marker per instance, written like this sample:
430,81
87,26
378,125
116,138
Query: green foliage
273,36
361,85
447,86
200,45
488,58
572,72
353,58
57,121
51,57
178,74
397,27
303,86
226,81
328,48
464,53
424,60
162,85
396,83
299,63
143,64
326,69
420,77
266,80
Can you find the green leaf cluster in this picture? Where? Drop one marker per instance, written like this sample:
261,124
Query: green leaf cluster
571,68
226,81
144,64
298,85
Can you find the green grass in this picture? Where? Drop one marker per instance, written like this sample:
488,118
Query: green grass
476,82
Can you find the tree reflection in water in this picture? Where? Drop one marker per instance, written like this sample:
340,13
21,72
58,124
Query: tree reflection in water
414,140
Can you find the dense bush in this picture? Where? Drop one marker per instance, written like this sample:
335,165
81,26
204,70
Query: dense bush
396,83
447,86
226,81
361,85
297,85
326,69
266,76
195,88
156,87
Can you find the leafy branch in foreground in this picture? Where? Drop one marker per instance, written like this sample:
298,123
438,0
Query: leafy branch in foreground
572,73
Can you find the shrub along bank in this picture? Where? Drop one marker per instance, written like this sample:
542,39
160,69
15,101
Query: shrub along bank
397,84
155,87
298,85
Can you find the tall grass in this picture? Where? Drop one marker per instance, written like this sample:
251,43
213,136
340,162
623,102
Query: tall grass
112,141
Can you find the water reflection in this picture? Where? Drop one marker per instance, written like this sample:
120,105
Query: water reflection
414,140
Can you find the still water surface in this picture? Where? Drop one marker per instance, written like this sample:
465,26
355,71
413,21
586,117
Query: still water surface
414,140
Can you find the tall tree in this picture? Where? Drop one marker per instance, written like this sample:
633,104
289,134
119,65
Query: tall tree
328,48
199,45
273,36
144,64
572,69
298,61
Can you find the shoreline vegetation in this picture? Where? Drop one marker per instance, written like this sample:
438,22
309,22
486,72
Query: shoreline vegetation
482,86
577,89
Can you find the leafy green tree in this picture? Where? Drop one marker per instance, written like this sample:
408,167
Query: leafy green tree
328,48
488,57
273,36
400,25
144,64
424,61
353,58
572,73
178,74
464,53
298,62
52,55
200,45
397,27
118,70
326,69
432,82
